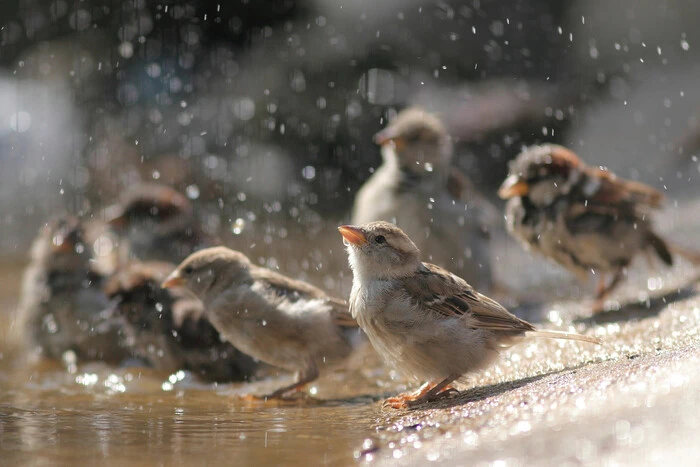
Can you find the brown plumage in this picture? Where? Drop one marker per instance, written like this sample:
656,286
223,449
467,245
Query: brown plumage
167,328
584,218
419,189
423,319
281,321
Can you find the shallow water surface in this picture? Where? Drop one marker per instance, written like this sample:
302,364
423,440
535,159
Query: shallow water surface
546,402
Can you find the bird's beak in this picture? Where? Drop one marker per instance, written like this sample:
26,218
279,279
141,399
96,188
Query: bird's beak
389,136
513,186
63,245
353,235
173,280
115,217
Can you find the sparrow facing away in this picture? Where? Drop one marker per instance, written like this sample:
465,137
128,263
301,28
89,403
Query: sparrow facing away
167,328
417,188
156,223
284,322
421,318
62,306
584,218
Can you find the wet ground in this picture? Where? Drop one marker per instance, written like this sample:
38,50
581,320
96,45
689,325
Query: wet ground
631,401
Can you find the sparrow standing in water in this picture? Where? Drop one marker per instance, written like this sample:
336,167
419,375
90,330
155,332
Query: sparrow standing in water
62,305
417,188
167,328
156,223
584,218
284,322
423,319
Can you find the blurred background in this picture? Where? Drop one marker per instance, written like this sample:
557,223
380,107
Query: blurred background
263,112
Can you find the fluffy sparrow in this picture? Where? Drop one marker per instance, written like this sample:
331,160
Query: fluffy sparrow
584,218
62,305
167,329
156,223
418,188
284,322
423,319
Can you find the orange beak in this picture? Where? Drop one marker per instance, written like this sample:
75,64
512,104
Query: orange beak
65,245
513,186
115,217
352,235
388,136
173,280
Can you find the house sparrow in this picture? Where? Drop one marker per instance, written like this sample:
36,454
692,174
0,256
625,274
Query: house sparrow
156,223
167,328
584,218
62,306
421,318
417,188
275,319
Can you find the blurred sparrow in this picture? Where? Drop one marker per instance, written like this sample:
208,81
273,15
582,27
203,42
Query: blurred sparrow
584,218
421,318
62,306
167,329
157,224
417,188
275,319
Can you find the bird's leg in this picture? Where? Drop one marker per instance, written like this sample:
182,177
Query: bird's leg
600,288
604,290
428,392
305,377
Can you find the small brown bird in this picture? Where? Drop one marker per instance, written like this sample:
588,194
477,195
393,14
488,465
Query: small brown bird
584,218
167,328
418,189
284,322
156,223
423,319
62,306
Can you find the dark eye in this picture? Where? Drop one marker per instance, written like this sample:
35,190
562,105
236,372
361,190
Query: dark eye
380,239
187,270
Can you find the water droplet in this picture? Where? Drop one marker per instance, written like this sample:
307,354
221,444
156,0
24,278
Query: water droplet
309,172
192,191
238,226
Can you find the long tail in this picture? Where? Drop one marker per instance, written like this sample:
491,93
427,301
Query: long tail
661,248
564,335
690,255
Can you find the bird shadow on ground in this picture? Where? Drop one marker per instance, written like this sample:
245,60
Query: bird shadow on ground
484,392
640,309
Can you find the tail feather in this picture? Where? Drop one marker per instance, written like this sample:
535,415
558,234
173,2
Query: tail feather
564,335
661,248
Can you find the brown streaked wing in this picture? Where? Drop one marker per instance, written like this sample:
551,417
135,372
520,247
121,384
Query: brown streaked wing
617,190
448,295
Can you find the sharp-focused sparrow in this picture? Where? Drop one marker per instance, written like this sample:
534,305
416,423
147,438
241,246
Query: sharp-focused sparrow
421,318
167,328
417,188
284,322
584,218
62,305
156,223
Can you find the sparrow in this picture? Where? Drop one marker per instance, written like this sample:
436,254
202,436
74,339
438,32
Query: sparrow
584,218
62,305
418,189
281,321
167,328
423,319
156,223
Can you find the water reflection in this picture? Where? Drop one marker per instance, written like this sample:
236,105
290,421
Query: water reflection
180,428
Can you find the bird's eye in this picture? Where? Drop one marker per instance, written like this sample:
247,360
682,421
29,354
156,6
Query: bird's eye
187,270
380,239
